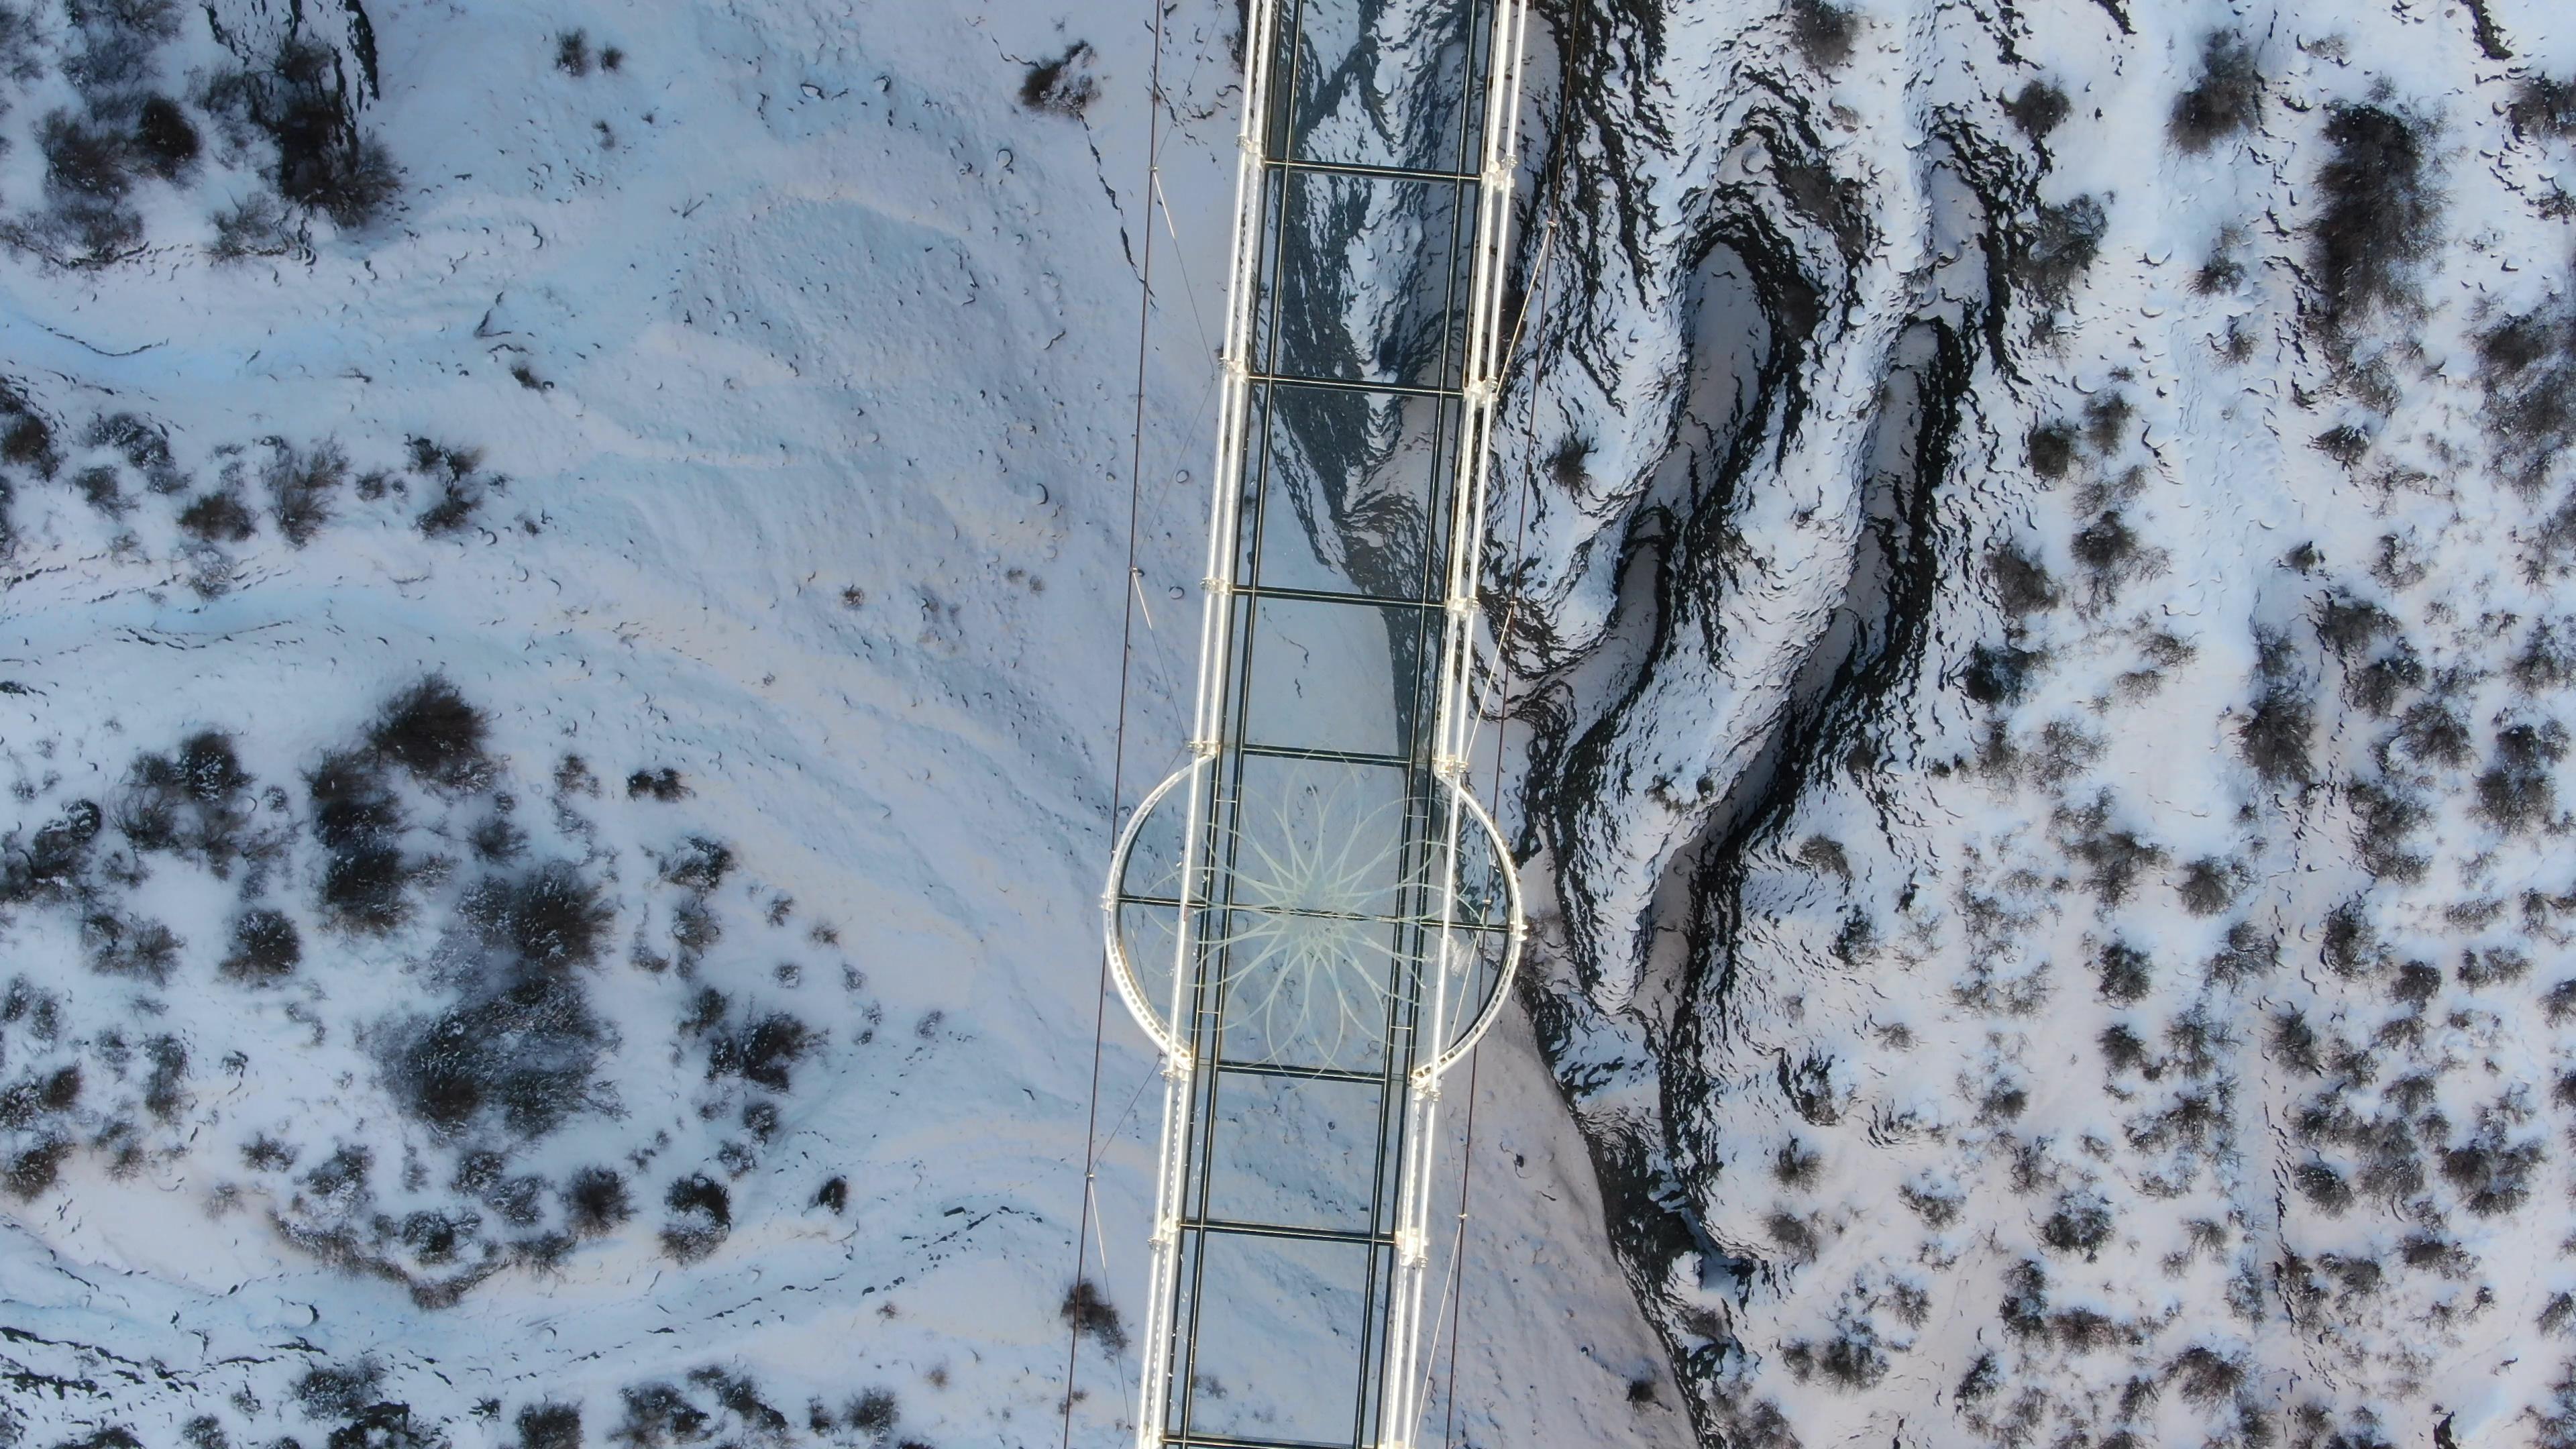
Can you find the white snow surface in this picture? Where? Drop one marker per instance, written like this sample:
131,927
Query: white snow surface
815,492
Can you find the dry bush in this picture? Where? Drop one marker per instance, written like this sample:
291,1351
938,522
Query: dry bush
1063,86
2225,99
2380,214
1822,31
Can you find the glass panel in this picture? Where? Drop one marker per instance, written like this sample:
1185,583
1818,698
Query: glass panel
1348,496
1294,1151
1302,991
1319,835
1388,82
1327,676
1279,1353
1366,280
1309,952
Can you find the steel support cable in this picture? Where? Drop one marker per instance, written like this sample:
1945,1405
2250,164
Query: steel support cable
1537,292
1179,1057
1118,750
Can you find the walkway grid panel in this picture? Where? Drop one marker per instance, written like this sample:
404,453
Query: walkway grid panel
1313,917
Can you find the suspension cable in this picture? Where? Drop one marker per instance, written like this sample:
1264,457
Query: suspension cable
1118,753
1503,663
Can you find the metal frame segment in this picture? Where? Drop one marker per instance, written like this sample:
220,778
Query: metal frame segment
1175,1030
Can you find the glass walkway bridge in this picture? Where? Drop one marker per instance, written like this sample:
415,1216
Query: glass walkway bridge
1313,917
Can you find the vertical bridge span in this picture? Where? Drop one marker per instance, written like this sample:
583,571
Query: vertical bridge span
1313,917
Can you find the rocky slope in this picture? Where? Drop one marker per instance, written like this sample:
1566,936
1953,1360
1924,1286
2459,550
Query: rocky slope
2041,629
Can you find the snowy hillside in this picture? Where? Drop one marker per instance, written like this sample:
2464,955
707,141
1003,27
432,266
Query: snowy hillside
563,580
2047,530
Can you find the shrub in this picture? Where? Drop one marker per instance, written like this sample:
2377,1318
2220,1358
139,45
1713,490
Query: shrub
1062,86
2322,1185
2124,972
572,52
2375,686
701,1217
762,1054
834,1196
2225,99
2025,1305
549,1426
2116,856
300,485
1851,1359
1796,1165
432,731
873,1413
2208,886
2493,1178
2249,952
2056,247
84,159
2081,1223
2122,1050
55,860
99,489
365,889
522,1046
1822,31
2205,1375
1093,1316
2517,791
1999,674
2038,109
256,226
496,840
32,1172
663,784
2383,821
698,864
266,946
339,1391
218,517
2105,543
2022,584
2052,449
2274,737
2527,365
164,1094
595,1202
324,162
1792,1234
351,804
26,439
165,140
451,513
2559,1002
2415,984
2543,106
2378,214
120,945
550,918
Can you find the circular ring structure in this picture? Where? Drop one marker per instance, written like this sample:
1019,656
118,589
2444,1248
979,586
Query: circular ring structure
1306,944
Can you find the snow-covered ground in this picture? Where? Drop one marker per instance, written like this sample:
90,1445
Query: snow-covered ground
2049,529
687,1021
2033,555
